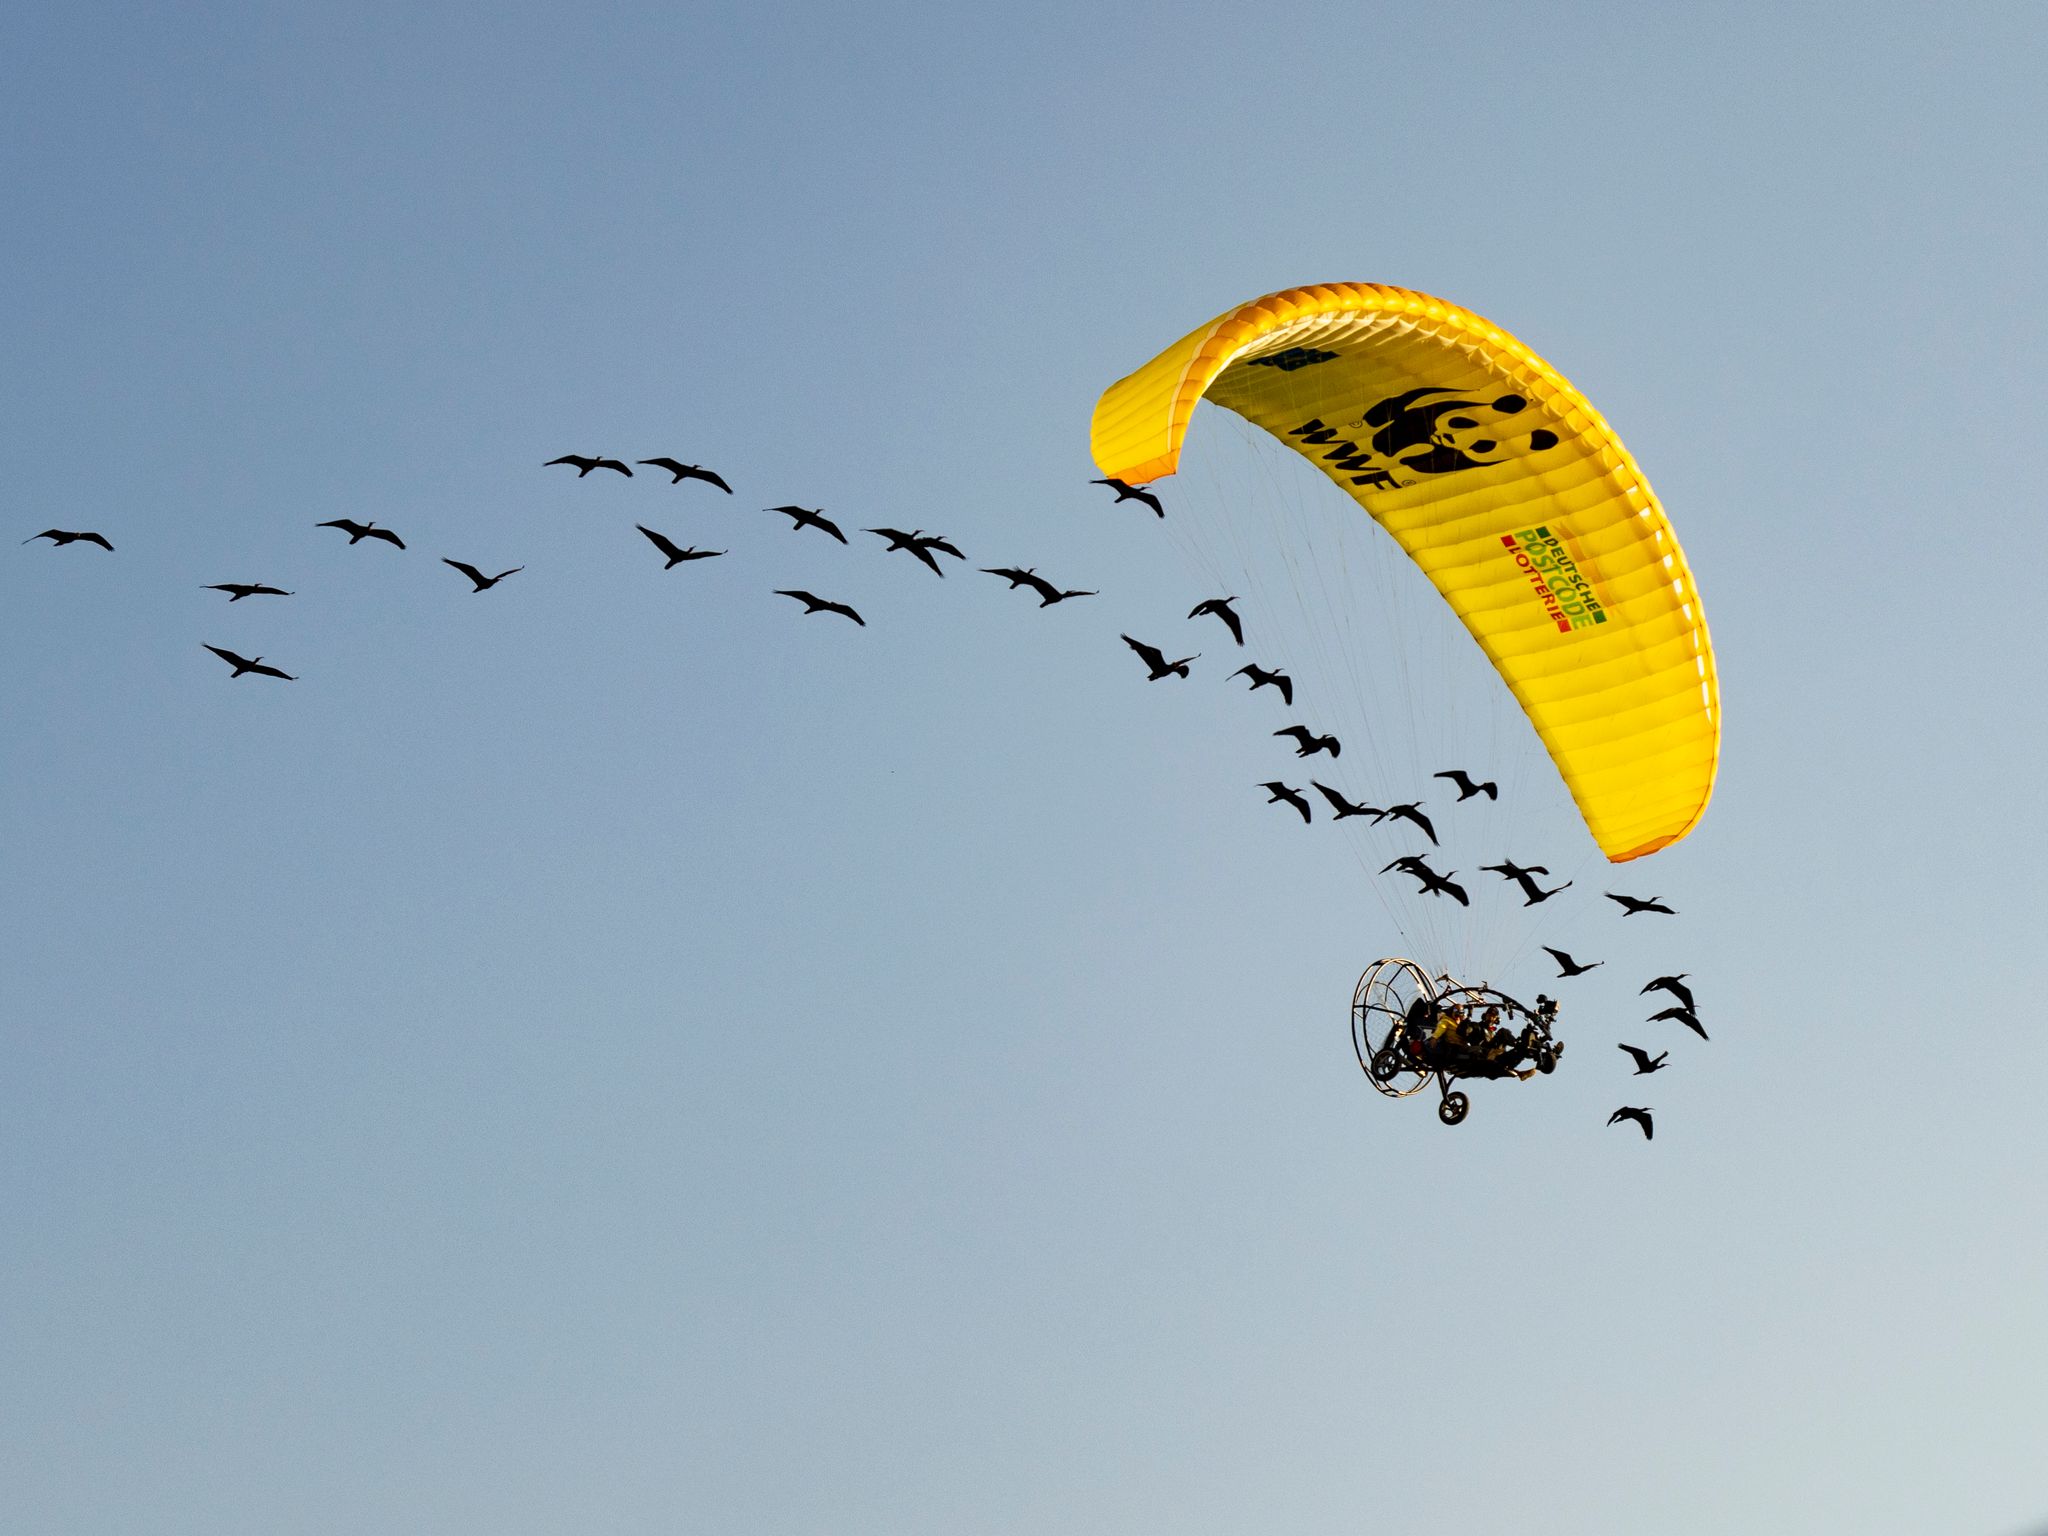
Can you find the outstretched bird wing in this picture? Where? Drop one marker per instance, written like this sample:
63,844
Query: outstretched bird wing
1640,1116
1412,813
1675,985
1282,792
1338,803
661,542
1151,656
1127,492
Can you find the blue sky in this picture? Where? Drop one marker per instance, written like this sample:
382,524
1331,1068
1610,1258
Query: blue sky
615,1053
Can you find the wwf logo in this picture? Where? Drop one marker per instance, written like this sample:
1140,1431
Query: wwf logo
1424,432
1293,358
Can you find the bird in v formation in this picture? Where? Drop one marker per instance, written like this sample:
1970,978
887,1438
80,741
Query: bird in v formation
243,664
1220,608
59,537
1128,492
357,532
676,553
682,472
1156,663
482,583
1048,594
237,590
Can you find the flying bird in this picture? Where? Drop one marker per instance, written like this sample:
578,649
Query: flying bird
1126,492
1048,594
1640,1116
483,583
1645,1062
1433,884
585,466
1307,743
1412,811
1631,905
243,664
357,532
240,590
1345,807
1532,893
1261,678
1466,788
1684,1016
815,604
676,555
918,543
1566,965
59,537
1280,792
1220,606
683,472
1675,985
810,517
1157,662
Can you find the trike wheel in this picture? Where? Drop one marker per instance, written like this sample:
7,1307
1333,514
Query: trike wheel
1453,1108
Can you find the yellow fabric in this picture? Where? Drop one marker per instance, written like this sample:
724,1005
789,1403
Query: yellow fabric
1504,485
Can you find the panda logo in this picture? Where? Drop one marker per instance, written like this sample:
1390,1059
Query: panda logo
1439,436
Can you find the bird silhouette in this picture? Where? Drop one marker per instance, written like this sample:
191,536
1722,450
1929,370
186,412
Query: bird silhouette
918,543
357,532
1640,1116
585,466
1566,965
1683,1016
1261,678
815,604
1048,594
1645,1062
483,583
1433,884
1307,743
59,537
676,555
1466,788
1631,905
1532,893
1675,985
1220,606
1281,792
1156,660
683,472
1126,492
1412,811
240,590
243,664
1345,807
810,517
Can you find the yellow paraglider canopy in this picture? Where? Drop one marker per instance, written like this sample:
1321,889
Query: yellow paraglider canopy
1504,485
